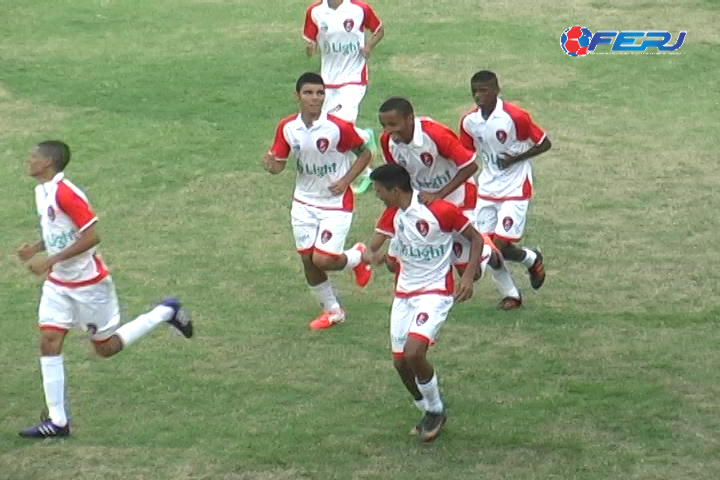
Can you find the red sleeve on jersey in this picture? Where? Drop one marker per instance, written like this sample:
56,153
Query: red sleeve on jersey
386,222
349,138
385,146
448,144
466,140
370,20
450,217
310,29
525,128
74,206
280,147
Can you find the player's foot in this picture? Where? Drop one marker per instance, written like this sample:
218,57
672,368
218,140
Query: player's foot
327,320
418,427
537,271
431,425
510,303
46,429
362,272
181,317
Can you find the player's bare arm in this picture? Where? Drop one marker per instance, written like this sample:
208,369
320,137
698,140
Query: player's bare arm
374,39
460,178
364,157
87,239
273,164
465,289
311,48
28,251
507,160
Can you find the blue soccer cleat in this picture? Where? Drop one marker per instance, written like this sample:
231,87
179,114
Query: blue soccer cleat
46,429
181,317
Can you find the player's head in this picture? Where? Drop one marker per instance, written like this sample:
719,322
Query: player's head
484,88
49,157
310,93
397,118
392,184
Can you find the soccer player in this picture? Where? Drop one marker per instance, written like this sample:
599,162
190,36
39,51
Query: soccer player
323,147
506,138
424,233
78,291
336,30
440,167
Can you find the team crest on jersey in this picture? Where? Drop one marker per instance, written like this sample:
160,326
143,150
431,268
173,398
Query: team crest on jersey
422,227
51,213
457,249
426,158
501,135
507,223
322,144
325,236
421,318
349,24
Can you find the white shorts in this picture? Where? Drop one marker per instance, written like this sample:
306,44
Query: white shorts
321,230
419,317
505,219
344,102
92,308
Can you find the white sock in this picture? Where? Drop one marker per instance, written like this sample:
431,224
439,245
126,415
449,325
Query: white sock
132,331
530,257
325,295
53,375
420,404
353,258
504,282
431,393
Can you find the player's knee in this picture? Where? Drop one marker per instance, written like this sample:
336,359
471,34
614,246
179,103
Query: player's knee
109,347
400,364
414,352
51,342
324,262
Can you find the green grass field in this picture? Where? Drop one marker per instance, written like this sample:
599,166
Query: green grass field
610,372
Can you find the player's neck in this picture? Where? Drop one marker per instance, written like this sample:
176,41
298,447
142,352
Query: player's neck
309,118
405,201
488,108
45,177
334,3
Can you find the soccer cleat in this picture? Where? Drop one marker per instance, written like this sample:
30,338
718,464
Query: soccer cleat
418,427
537,271
362,272
327,320
181,317
510,303
46,429
431,425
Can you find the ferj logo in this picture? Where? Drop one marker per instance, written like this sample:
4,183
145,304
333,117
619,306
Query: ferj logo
579,41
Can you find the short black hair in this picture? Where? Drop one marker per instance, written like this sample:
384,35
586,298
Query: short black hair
392,175
57,151
308,77
398,104
484,76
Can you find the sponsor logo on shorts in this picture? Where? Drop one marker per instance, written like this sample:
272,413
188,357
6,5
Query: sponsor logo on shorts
91,328
421,318
507,223
457,249
325,236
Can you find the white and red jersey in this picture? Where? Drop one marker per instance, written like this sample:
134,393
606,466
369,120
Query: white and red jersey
508,130
433,158
64,213
340,34
423,237
323,155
